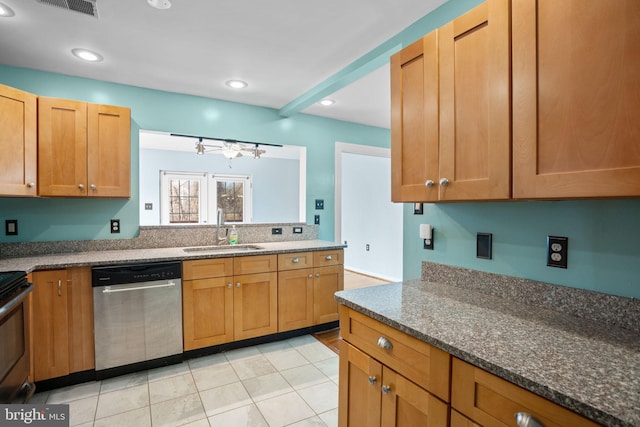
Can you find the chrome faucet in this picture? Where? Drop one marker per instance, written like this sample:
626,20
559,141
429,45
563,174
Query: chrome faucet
219,222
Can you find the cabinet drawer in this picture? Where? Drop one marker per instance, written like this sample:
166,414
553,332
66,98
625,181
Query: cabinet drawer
255,264
491,401
207,268
426,365
324,258
295,261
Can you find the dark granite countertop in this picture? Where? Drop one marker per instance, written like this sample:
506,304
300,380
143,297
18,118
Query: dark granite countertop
106,257
588,367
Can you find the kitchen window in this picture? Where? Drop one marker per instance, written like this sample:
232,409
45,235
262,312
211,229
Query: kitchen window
193,198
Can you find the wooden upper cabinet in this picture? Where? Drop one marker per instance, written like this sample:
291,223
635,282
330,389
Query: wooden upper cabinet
414,121
576,109
62,147
18,142
83,149
475,134
108,151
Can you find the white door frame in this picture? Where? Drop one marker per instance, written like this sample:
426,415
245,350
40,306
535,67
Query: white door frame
343,147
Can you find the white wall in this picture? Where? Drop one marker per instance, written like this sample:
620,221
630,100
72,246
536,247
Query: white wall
367,214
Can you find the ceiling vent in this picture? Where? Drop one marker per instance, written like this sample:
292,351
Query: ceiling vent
86,7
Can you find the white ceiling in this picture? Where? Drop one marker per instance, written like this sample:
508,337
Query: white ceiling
282,48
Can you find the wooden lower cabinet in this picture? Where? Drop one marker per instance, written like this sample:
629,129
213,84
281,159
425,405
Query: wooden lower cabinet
307,282
62,327
371,394
491,401
220,307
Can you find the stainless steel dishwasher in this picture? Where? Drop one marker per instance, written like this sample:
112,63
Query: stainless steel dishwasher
137,316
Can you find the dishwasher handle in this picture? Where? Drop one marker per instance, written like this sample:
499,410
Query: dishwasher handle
108,290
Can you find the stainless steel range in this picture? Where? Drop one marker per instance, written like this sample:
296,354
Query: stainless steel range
14,338
137,316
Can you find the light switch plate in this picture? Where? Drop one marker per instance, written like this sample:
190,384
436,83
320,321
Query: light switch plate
11,227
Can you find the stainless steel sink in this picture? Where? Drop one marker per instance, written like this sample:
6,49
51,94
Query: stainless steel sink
223,248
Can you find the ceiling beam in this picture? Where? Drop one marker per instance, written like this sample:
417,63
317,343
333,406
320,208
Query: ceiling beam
380,55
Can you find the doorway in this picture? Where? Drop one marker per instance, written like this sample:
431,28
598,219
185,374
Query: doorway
365,217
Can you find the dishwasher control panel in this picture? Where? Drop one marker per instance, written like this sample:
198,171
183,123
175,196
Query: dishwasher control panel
135,273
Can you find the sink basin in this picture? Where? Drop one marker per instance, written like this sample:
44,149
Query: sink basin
223,248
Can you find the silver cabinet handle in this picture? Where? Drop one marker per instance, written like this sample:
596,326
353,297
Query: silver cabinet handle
444,182
429,183
59,288
524,419
311,276
386,389
92,186
384,343
317,274
229,285
328,257
238,285
295,260
31,184
81,186
372,379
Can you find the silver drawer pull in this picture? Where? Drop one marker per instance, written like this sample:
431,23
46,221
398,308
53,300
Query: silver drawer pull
384,343
229,285
295,260
328,257
386,389
372,379
524,419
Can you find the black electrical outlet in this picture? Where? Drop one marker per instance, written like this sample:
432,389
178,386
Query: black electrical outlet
557,251
115,226
11,227
367,247
297,230
276,230
319,204
483,245
316,219
148,206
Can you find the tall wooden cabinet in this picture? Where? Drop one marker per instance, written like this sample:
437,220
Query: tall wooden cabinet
18,142
576,109
62,313
450,111
83,149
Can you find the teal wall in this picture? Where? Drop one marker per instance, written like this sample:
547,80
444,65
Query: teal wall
604,240
80,219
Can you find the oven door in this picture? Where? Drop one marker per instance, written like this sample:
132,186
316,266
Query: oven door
14,351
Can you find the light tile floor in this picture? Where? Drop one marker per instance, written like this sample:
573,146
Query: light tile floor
293,382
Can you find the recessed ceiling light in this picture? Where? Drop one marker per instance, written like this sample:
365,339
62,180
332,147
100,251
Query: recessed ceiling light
6,11
159,4
87,55
237,84
326,102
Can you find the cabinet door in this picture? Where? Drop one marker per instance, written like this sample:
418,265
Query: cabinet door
576,109
50,324
255,305
326,282
475,139
414,121
207,312
62,147
404,404
359,388
295,299
80,316
108,151
18,142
